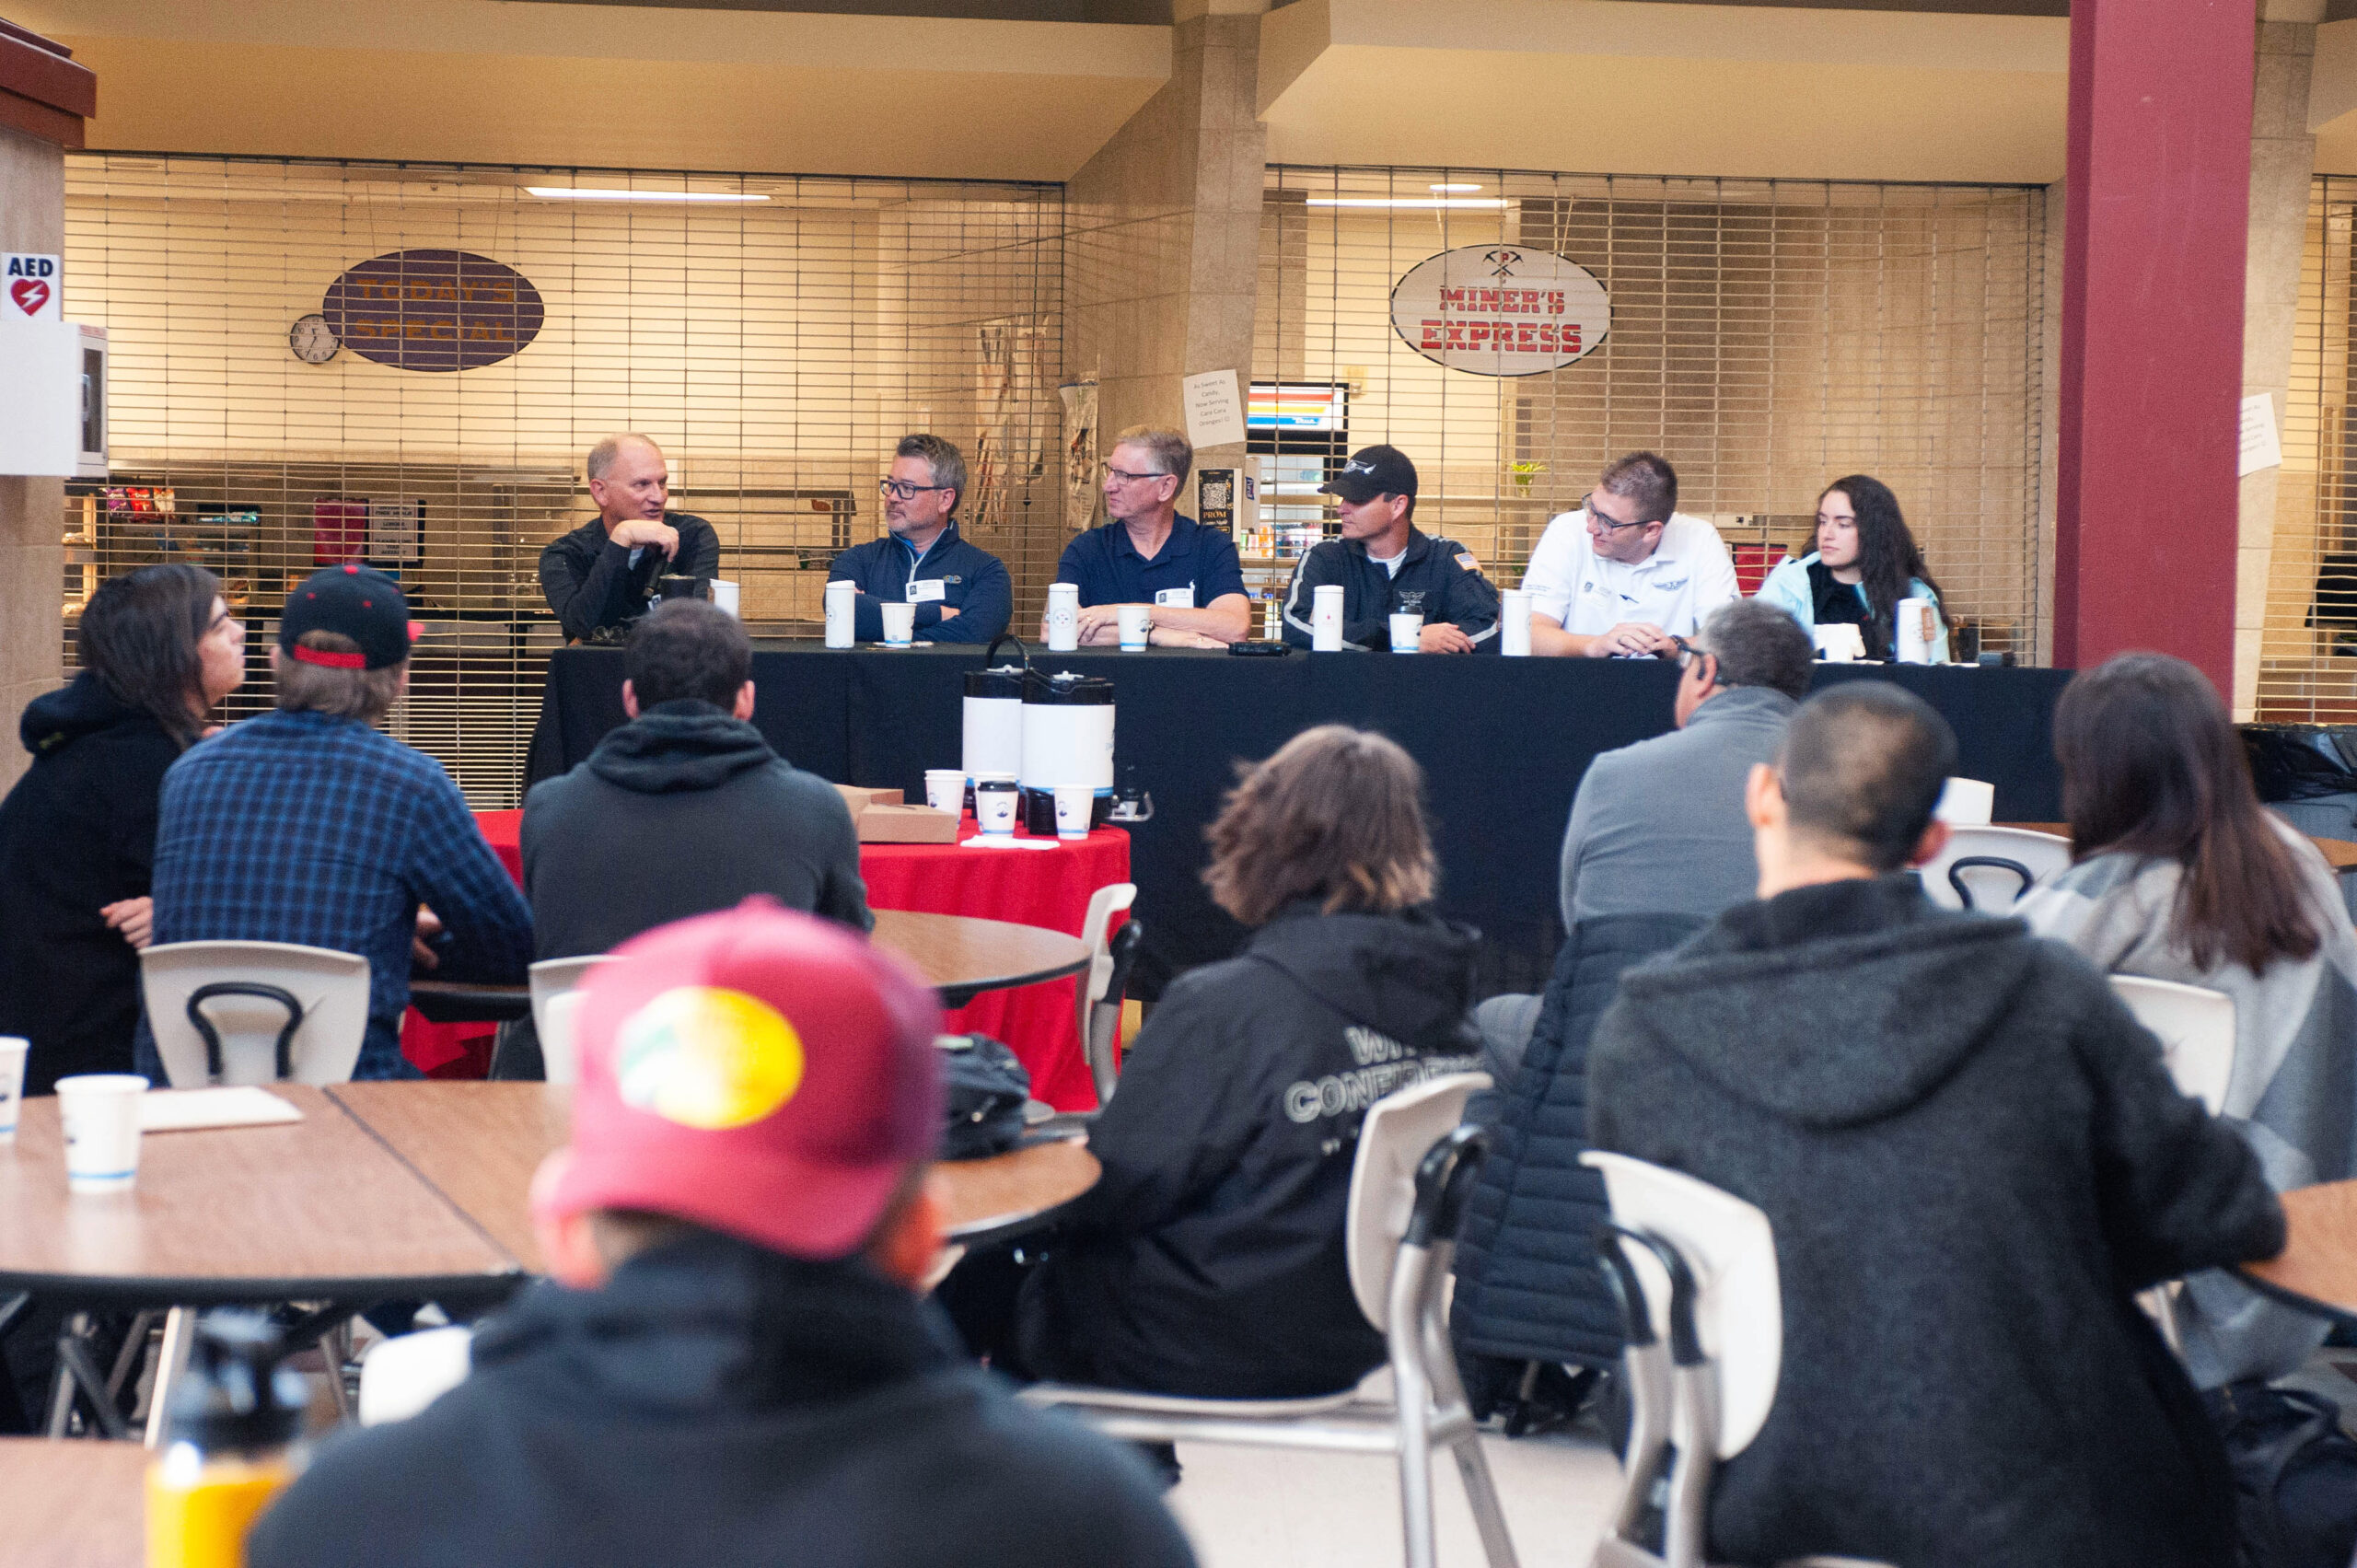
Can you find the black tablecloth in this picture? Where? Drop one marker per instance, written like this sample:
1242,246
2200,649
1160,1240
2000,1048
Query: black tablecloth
1504,743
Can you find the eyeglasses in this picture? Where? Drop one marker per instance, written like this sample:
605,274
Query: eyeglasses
1598,519
1686,653
901,490
1128,478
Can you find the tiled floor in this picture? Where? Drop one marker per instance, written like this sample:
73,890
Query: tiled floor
1280,1508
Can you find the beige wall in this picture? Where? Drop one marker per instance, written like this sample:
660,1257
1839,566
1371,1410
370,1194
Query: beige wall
1766,340
1162,246
32,563
2282,158
774,346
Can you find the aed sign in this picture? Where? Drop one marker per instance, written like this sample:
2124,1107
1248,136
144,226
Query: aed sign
32,287
1500,309
434,310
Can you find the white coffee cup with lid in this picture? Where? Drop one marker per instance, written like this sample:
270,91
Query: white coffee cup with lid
1064,617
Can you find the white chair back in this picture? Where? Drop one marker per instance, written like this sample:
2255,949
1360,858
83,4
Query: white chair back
1994,887
401,1377
553,1022
2196,1029
1114,897
1728,1244
555,976
330,1016
1400,1130
1967,803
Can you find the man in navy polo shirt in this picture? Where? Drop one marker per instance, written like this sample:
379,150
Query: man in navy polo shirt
961,591
1185,574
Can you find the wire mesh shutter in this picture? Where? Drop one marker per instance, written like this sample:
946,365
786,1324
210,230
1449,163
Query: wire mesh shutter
775,337
1767,337
2309,648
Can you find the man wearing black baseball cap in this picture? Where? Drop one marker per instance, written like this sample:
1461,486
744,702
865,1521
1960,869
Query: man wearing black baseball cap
309,825
1385,566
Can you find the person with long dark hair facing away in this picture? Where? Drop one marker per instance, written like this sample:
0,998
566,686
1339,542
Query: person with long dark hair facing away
1864,562
158,650
2177,872
1209,1259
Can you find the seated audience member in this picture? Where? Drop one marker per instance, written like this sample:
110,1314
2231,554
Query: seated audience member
2180,874
686,809
1864,562
961,591
1209,1259
1971,1157
1658,828
1187,574
158,648
1385,565
601,574
309,825
1627,572
733,1362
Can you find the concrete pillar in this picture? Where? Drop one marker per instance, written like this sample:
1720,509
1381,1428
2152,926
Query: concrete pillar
2158,205
1163,237
2282,160
43,98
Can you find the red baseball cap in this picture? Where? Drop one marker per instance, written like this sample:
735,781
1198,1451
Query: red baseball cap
757,1072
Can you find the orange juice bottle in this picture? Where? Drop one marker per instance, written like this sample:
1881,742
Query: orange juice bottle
230,1444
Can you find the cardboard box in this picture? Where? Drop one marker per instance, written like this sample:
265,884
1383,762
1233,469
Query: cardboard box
859,798
886,823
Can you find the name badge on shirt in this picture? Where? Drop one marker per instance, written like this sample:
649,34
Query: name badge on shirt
1176,598
923,589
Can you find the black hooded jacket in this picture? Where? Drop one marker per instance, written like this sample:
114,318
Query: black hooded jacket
717,1404
682,811
1972,1157
76,833
1209,1259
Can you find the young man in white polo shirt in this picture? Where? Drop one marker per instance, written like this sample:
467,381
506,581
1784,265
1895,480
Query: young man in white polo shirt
1627,572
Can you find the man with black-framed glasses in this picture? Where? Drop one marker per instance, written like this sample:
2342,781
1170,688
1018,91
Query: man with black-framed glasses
1627,573
961,591
1187,575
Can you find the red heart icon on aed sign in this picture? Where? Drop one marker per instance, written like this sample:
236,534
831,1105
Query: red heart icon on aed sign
30,294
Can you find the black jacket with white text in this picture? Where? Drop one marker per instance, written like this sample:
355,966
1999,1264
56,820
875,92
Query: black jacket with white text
1439,579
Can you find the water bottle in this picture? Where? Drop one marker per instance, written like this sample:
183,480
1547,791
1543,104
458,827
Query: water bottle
230,1444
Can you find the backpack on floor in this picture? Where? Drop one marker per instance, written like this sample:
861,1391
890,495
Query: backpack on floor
2295,1475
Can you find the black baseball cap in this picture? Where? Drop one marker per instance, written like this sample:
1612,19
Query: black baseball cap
1373,471
356,601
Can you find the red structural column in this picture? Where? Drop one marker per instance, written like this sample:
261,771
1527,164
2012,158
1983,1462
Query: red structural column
2157,213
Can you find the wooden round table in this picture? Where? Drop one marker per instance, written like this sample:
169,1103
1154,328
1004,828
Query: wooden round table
73,1504
477,1145
2316,1271
960,955
316,1210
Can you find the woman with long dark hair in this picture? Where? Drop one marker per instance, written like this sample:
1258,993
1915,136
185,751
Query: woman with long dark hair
159,649
2178,873
1864,562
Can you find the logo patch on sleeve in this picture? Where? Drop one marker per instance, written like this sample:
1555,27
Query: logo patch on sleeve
1464,559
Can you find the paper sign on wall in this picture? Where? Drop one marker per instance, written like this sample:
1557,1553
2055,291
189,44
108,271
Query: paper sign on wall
2262,447
1215,409
32,287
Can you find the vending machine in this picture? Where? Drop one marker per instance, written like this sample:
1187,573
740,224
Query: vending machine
1297,433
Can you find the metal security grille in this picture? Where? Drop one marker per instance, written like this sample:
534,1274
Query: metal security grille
1767,337
2309,649
775,335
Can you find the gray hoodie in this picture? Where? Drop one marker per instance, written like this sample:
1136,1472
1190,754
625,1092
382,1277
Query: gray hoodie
1972,1157
682,811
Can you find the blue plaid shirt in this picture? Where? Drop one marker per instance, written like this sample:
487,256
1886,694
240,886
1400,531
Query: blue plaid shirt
302,827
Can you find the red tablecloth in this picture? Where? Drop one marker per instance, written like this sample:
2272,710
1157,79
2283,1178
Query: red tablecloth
1048,887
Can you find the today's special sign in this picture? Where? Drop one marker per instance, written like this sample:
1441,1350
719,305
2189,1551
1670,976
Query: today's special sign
1500,309
434,310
